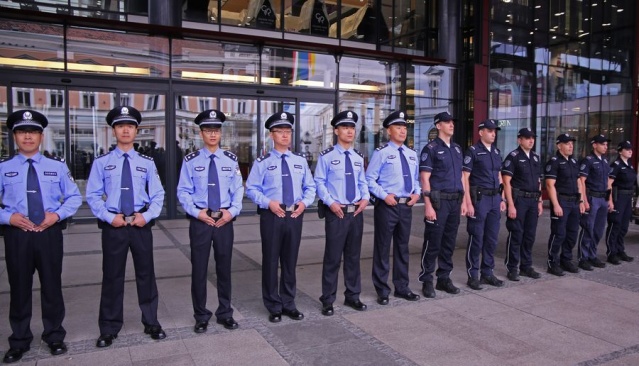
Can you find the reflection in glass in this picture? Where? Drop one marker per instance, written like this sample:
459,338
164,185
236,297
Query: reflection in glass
31,45
4,133
371,76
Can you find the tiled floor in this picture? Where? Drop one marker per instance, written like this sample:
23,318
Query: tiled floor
588,318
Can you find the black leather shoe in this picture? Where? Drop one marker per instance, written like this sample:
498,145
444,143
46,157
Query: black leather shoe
57,348
201,327
555,270
614,259
228,323
382,300
428,290
105,340
293,314
446,284
355,304
625,257
585,265
410,296
596,262
14,355
529,272
473,283
513,275
275,317
491,280
327,310
155,331
569,267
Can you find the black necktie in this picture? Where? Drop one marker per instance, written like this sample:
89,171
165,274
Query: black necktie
127,204
34,196
214,186
350,178
287,183
408,185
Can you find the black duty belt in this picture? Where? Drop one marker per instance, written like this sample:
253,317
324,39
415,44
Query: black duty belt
488,191
450,196
526,194
597,194
626,191
569,197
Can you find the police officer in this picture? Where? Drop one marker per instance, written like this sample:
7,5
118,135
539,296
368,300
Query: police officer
440,169
134,198
210,191
484,202
521,173
566,206
593,177
341,185
392,179
281,185
38,194
623,179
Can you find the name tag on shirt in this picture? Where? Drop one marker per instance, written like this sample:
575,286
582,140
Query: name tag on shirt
226,169
51,174
140,169
199,168
109,167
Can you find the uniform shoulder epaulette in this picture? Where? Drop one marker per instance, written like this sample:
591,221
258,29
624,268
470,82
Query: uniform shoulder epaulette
553,158
381,147
192,155
431,145
498,151
327,151
589,157
261,158
473,147
230,155
145,157
616,162
298,153
58,158
6,158
514,153
358,153
101,156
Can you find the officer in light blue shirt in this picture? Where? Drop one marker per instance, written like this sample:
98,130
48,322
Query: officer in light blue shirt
393,180
38,195
210,190
341,185
281,184
134,198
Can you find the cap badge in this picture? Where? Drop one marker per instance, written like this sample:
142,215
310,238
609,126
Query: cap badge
124,110
401,114
27,115
212,114
349,115
283,116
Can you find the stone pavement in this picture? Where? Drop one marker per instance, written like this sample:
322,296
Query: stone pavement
588,318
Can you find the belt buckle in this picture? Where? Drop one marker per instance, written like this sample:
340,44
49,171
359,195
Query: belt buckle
350,208
290,208
129,219
214,214
402,200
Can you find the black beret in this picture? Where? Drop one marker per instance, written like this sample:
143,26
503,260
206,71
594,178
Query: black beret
345,118
281,119
395,118
26,119
210,118
123,114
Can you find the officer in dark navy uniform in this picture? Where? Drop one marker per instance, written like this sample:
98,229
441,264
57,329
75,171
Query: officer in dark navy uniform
623,182
281,185
441,177
134,198
341,185
593,176
521,173
393,181
210,191
38,194
566,206
484,204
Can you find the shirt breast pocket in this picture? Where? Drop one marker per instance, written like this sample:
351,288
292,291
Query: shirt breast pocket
13,185
440,162
50,185
271,177
336,172
139,181
111,182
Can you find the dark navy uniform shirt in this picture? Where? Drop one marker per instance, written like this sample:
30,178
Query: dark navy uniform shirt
445,165
596,171
484,166
565,172
525,170
624,175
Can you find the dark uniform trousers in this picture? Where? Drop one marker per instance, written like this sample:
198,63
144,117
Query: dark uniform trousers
115,248
26,252
280,243
592,224
201,235
391,222
483,233
618,222
521,234
563,232
342,236
439,241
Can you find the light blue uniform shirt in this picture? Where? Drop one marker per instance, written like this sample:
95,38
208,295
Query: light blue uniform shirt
264,182
384,173
330,176
106,179
192,189
60,194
